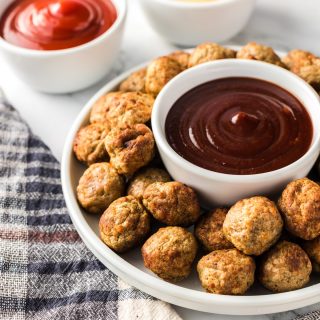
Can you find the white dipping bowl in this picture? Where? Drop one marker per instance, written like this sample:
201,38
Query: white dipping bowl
225,189
66,70
190,23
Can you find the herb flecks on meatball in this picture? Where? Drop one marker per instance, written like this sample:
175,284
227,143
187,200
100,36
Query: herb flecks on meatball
124,224
99,185
130,148
226,272
253,225
169,253
172,203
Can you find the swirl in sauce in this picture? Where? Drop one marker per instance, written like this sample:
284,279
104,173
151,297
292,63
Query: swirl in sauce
239,126
56,24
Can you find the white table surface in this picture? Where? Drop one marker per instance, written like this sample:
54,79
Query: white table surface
283,24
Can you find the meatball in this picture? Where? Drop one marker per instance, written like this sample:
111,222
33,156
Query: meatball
209,52
88,145
124,224
130,148
182,57
300,206
159,72
226,272
144,178
296,59
208,230
169,253
253,225
312,248
285,267
135,82
306,65
99,186
255,51
172,203
120,109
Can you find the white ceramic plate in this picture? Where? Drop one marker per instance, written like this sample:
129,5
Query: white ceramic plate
130,268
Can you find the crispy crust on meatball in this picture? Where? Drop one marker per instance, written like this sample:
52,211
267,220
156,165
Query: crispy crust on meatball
312,248
285,267
99,186
88,145
182,57
135,82
300,207
169,253
143,178
209,52
253,225
172,203
208,230
295,59
306,65
120,109
124,224
130,148
159,72
226,272
255,51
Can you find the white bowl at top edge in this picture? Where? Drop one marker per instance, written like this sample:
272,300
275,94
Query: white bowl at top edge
190,23
129,267
225,189
66,70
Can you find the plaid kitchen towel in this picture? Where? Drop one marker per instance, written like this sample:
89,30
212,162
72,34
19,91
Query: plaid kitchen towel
46,271
315,315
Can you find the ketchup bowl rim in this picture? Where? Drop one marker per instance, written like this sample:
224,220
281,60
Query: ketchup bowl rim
159,131
121,14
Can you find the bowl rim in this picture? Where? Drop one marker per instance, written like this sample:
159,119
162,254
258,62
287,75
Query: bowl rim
121,7
219,176
251,305
188,4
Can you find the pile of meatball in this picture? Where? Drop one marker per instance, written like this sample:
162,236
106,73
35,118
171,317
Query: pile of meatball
126,184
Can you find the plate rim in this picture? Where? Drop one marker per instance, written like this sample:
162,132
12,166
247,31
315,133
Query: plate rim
175,294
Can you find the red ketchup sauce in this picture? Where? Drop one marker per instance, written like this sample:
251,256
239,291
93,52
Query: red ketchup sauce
239,126
56,24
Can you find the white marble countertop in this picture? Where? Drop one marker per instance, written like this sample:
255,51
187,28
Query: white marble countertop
285,24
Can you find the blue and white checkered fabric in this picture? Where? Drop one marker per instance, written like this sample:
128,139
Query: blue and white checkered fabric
46,271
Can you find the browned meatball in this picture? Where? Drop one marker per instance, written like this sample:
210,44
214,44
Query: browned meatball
255,51
172,203
143,178
169,253
130,148
300,206
306,65
209,52
119,109
285,267
208,230
159,72
88,145
296,59
182,57
312,248
99,186
253,225
124,224
226,272
135,82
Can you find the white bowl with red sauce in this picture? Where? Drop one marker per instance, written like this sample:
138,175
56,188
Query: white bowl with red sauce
70,57
222,188
190,22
